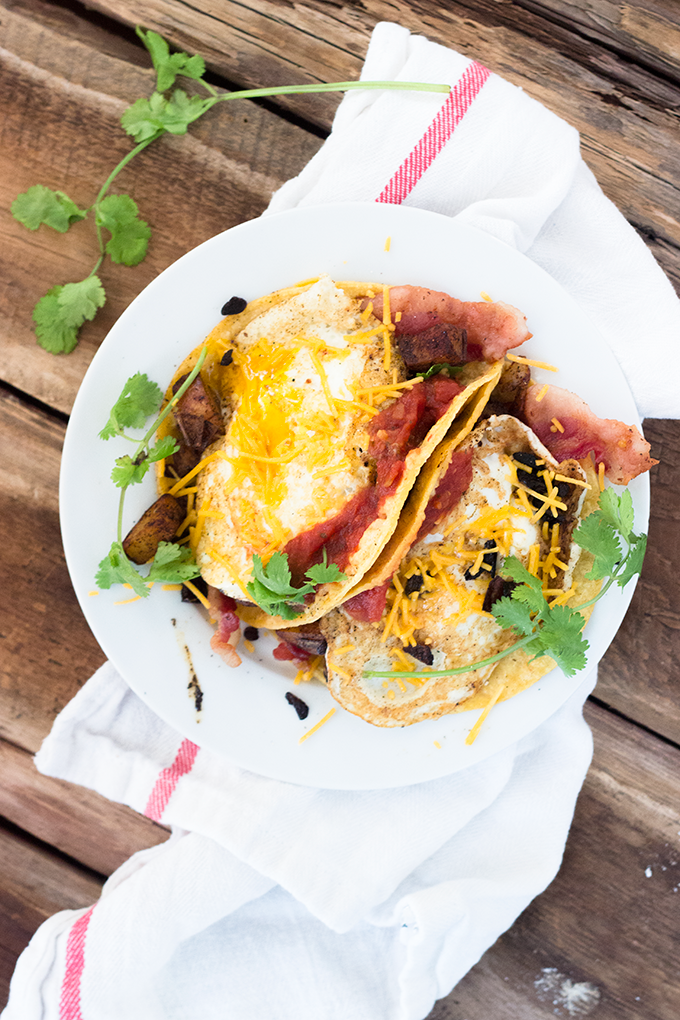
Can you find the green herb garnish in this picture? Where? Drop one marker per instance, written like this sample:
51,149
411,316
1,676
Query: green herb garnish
272,591
139,399
556,630
442,368
59,315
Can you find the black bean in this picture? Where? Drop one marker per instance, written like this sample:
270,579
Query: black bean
251,633
499,588
300,706
188,596
414,583
227,358
421,652
528,459
489,558
234,305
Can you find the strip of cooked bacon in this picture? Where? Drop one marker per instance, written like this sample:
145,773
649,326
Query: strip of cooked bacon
620,447
492,326
227,633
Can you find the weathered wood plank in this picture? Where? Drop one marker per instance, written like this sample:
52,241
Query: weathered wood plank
34,884
47,649
602,923
62,100
628,128
647,643
94,831
646,33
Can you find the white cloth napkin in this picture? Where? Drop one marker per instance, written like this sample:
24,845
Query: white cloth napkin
278,901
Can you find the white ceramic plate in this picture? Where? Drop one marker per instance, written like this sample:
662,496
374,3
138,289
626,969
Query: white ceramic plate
156,642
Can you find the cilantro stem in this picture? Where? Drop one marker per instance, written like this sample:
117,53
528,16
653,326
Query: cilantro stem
144,442
121,502
177,396
336,86
455,671
123,163
99,260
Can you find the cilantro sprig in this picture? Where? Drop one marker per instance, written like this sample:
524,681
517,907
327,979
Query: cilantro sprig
555,630
122,234
273,592
139,399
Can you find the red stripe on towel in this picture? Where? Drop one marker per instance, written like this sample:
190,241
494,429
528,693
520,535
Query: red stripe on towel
69,1002
437,135
168,779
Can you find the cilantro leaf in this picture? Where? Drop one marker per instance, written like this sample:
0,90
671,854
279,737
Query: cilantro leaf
560,637
140,398
182,110
442,368
173,564
597,536
271,589
129,234
43,205
128,471
80,301
633,562
617,510
325,573
513,615
169,66
140,120
60,313
516,571
529,589
149,117
52,333
165,447
116,568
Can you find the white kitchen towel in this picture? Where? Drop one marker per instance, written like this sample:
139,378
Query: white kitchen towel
287,902
279,901
495,159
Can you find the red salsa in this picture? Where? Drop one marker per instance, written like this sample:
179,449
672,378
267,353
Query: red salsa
393,432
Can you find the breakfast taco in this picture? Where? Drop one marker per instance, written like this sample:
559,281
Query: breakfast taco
498,493
304,433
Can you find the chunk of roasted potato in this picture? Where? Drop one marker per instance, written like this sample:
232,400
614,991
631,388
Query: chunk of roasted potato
158,524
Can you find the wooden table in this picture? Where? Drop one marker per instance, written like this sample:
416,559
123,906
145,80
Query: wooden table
610,68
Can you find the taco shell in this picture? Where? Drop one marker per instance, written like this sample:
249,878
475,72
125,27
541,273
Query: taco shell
437,611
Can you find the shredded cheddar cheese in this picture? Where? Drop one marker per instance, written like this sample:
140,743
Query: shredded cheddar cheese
317,726
198,593
472,735
520,360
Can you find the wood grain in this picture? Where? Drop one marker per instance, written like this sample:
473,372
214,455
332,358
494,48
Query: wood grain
47,651
35,884
62,103
639,675
627,116
646,32
602,922
94,831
